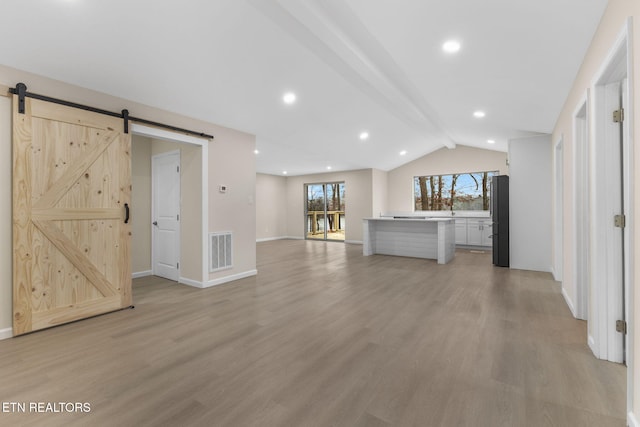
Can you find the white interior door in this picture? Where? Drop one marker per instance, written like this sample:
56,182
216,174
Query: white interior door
165,172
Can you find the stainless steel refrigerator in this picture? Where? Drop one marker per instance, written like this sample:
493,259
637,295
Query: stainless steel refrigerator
500,219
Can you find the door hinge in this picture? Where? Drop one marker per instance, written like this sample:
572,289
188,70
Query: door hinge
621,326
178,266
618,116
178,217
620,221
178,169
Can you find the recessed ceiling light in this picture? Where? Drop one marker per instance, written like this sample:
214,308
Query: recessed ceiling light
284,172
403,152
289,98
451,46
479,114
256,151
491,141
328,167
364,135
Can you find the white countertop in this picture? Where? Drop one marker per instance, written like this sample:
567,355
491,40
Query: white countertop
417,219
439,214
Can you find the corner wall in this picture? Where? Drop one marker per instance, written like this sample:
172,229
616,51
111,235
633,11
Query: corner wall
530,203
271,207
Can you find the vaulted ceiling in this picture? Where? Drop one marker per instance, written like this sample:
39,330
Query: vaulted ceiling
354,65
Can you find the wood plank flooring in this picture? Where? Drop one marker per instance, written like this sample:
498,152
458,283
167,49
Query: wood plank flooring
325,337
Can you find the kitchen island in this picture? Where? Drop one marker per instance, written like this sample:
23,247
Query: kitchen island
431,238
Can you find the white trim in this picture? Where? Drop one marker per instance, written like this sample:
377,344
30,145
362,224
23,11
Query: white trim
268,239
591,342
631,420
630,230
139,274
567,299
191,282
295,238
205,211
604,247
558,210
354,242
166,135
617,66
233,277
6,333
219,281
580,203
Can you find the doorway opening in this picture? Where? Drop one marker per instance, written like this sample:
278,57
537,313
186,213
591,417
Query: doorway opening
178,249
325,211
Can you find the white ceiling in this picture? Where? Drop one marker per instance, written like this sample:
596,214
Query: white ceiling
355,65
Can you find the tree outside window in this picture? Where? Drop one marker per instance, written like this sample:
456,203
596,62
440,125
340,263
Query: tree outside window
455,192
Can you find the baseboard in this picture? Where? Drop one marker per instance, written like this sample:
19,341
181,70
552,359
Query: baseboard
268,239
569,303
139,274
6,333
233,277
190,282
592,345
631,420
354,242
294,237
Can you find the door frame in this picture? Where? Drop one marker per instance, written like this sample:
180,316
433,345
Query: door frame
326,219
558,205
153,210
616,67
151,132
581,214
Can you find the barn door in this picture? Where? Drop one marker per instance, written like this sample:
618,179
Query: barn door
71,192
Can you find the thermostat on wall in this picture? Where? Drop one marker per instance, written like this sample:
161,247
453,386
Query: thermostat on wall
222,188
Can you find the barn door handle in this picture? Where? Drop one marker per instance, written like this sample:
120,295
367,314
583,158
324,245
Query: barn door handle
126,213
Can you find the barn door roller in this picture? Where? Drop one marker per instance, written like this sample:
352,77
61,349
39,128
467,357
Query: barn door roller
21,91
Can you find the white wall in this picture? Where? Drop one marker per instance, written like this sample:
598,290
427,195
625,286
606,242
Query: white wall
232,163
441,162
379,191
271,207
530,174
140,204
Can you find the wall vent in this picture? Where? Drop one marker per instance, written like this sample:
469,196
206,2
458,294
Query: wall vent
220,251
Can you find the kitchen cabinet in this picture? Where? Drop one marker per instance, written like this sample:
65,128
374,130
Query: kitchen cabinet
478,232
461,231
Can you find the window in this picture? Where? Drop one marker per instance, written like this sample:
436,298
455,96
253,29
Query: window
455,192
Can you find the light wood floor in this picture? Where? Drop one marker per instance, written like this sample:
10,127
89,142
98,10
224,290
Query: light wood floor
325,337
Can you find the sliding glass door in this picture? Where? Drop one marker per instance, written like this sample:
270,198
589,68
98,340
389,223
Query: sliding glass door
325,211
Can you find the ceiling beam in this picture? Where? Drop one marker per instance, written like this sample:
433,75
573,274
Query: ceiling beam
333,32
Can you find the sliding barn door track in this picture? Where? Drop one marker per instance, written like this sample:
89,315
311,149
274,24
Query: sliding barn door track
21,91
